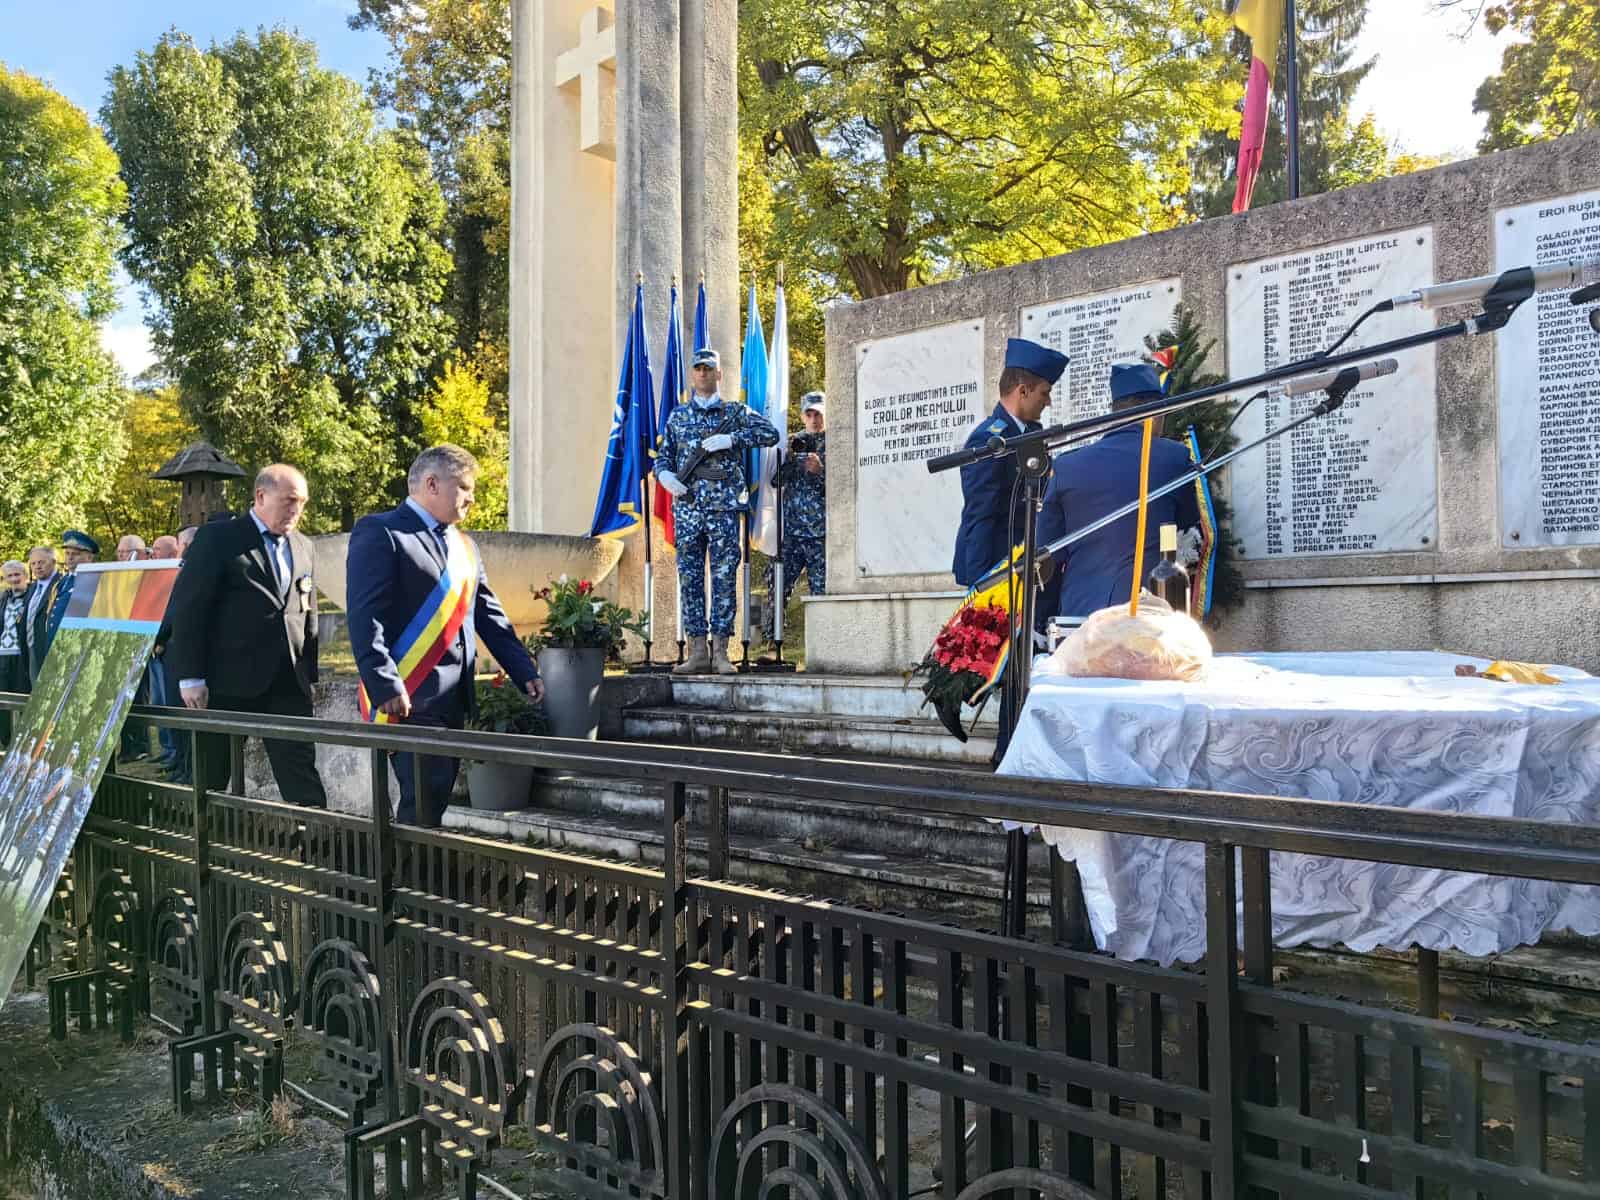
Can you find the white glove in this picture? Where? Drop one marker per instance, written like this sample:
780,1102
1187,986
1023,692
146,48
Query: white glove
675,486
718,441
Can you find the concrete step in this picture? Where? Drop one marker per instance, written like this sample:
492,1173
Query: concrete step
887,697
767,817
900,739
939,890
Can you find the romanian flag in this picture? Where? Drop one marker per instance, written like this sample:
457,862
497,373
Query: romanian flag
1165,358
437,624
1262,22
673,383
1205,571
123,597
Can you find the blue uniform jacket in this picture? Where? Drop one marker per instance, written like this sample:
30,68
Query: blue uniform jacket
1087,484
392,566
985,492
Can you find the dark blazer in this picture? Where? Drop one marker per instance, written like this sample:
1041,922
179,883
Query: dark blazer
986,487
1087,484
393,564
231,625
37,633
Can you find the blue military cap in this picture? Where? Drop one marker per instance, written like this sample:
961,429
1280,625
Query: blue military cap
76,539
706,357
1035,359
1133,379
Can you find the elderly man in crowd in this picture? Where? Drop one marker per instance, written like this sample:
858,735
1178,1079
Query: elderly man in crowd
13,657
130,548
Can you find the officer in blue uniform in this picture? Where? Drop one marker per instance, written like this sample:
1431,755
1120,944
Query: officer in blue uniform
1097,479
701,463
804,475
77,548
988,522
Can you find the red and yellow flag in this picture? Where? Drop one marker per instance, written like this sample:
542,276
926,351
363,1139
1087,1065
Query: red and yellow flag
1262,22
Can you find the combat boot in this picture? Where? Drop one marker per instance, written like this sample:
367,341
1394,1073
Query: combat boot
696,661
719,656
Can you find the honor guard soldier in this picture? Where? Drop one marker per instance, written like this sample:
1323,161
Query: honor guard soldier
701,463
1094,480
805,503
988,521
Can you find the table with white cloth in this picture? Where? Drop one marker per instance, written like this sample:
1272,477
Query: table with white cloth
1399,729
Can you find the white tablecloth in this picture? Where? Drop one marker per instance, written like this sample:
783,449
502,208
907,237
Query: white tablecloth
1392,728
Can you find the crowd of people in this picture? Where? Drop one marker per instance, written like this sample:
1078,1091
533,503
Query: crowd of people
34,599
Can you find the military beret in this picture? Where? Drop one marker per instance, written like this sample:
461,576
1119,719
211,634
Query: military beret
706,357
76,539
1133,379
1035,359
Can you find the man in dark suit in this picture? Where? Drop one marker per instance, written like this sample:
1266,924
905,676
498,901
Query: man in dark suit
244,627
418,601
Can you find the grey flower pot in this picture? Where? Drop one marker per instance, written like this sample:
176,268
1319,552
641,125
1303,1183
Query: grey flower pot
572,691
499,787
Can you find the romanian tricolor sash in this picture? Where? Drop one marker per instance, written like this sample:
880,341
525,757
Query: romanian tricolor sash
437,624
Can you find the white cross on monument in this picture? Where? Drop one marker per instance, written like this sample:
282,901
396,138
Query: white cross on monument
579,69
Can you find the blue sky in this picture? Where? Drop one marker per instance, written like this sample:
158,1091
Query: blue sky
1421,89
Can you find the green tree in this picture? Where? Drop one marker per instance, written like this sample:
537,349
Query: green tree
1334,151
451,83
60,403
1549,78
463,408
1213,427
911,140
294,255
155,429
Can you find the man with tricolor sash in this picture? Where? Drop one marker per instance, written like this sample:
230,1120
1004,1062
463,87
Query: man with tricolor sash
418,603
1092,481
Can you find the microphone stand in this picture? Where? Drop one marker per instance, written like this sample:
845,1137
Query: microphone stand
1032,453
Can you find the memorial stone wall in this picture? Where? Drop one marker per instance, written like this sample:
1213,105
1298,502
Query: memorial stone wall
1454,504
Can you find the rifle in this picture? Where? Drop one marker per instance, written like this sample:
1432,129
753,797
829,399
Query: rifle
697,457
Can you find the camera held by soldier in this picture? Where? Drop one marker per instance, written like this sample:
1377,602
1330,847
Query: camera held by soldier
803,443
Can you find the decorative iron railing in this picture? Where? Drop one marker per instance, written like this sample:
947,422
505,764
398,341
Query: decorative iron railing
657,1034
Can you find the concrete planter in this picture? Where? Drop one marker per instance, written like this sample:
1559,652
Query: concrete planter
499,787
572,691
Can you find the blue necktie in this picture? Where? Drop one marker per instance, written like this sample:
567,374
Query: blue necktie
280,569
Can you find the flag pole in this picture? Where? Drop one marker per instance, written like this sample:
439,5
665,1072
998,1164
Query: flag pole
1291,116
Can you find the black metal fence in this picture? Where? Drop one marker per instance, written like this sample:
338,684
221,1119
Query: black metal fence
659,1034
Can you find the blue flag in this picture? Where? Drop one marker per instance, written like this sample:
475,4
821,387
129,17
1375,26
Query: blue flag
702,332
753,387
633,436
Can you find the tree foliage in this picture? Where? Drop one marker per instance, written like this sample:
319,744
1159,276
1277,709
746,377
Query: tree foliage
60,404
464,408
1549,78
156,429
293,253
909,140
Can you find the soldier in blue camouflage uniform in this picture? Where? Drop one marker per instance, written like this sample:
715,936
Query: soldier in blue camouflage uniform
805,504
701,462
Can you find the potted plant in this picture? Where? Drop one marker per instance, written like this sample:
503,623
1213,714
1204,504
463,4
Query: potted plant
503,708
580,633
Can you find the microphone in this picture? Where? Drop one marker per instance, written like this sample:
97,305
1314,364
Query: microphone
1517,283
1347,377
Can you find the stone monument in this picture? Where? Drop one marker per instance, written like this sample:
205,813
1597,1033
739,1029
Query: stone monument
624,161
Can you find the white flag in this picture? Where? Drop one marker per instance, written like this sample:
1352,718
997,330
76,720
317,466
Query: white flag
765,536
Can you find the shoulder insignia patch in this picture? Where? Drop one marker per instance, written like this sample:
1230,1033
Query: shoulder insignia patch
997,427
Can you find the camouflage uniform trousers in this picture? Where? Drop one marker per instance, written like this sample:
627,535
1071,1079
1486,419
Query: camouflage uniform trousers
696,531
808,554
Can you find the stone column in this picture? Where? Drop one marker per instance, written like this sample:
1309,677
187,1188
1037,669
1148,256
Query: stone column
711,170
563,334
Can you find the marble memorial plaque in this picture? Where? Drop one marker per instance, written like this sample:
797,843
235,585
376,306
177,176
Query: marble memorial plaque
1362,479
1095,331
917,395
1549,374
